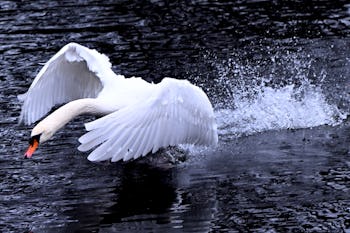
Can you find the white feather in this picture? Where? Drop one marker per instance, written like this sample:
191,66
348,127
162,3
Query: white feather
139,117
155,122
74,72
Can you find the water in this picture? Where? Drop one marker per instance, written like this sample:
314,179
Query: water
277,73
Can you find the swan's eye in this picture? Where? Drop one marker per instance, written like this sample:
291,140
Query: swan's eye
33,144
34,139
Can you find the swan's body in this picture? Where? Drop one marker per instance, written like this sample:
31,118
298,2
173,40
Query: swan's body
138,117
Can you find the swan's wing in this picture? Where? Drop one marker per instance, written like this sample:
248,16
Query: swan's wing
72,73
176,112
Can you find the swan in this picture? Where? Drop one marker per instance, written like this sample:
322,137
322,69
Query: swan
136,117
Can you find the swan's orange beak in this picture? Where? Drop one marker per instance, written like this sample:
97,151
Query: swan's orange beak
33,144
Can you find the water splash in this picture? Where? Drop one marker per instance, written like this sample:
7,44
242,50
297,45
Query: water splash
282,91
274,109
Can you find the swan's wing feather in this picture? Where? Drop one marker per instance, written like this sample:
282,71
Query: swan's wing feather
176,112
72,73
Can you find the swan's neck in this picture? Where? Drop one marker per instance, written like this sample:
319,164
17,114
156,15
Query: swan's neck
56,120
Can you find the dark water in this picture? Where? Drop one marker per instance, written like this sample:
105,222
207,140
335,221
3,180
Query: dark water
277,73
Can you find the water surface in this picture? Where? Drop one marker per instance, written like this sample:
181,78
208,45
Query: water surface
277,74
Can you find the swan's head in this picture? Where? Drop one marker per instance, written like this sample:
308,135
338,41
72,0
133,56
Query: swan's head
39,135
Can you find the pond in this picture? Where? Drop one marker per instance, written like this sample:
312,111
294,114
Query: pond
277,73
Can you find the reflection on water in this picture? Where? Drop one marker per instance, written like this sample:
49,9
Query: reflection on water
142,191
266,65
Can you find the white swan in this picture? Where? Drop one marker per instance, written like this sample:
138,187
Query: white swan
140,117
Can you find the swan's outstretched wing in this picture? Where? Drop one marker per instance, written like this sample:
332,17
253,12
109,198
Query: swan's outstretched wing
72,73
176,112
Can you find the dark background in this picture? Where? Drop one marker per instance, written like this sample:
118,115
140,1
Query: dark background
285,171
